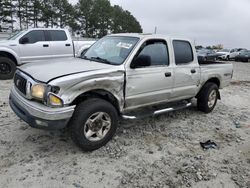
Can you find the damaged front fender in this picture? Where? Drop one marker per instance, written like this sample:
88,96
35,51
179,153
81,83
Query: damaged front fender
111,81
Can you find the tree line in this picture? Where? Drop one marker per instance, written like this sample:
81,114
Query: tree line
89,18
214,47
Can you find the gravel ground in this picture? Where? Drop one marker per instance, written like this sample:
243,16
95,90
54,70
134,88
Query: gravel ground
153,152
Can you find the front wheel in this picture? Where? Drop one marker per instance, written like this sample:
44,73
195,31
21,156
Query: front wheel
7,68
208,97
93,124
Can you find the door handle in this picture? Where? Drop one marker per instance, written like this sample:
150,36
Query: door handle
45,45
67,44
193,71
168,74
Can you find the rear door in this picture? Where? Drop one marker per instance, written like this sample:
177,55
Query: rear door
151,84
60,44
35,48
186,71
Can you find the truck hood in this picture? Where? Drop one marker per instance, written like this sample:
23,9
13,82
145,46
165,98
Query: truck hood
5,42
45,71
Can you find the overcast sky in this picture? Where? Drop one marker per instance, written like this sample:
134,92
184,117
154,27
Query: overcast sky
207,22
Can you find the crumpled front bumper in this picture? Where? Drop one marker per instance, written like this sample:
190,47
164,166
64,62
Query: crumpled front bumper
38,115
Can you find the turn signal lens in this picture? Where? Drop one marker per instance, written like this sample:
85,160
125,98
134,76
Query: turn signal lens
54,100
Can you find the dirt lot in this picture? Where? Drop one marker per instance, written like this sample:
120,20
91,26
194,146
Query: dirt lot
160,152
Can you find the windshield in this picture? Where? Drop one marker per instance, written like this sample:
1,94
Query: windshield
111,49
15,35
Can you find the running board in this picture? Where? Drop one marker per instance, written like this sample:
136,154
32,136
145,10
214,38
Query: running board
158,112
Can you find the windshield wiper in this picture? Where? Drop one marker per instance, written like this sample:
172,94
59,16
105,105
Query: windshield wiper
102,60
84,57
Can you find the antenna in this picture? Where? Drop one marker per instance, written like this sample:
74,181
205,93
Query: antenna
155,29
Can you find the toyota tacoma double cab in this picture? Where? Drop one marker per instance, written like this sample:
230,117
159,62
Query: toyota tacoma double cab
121,76
33,45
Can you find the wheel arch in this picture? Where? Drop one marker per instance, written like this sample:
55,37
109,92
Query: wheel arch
213,80
9,55
98,93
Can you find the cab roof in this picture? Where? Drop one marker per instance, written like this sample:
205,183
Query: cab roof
150,36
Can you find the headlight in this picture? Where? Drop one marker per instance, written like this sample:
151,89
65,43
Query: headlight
54,100
38,91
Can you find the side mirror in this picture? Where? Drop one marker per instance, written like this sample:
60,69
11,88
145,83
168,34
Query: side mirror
141,61
24,40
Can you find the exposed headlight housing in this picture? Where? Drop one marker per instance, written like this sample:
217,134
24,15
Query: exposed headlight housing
38,91
46,94
54,100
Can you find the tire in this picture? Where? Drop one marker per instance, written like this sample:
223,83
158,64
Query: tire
203,102
81,123
7,68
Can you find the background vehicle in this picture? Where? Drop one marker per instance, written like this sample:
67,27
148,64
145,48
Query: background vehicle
244,56
234,53
33,45
122,75
223,54
207,55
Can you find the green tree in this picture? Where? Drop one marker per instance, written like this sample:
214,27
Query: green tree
97,18
48,17
84,12
101,18
35,12
7,15
117,19
124,22
63,12
93,18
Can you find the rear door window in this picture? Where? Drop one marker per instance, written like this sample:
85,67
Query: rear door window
183,52
57,35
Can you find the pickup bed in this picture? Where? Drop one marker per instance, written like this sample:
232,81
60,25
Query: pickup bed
121,76
33,45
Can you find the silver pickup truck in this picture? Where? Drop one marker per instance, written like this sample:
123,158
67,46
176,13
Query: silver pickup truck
33,45
125,76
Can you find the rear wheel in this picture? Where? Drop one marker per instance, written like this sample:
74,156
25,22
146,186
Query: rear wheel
93,124
208,97
7,68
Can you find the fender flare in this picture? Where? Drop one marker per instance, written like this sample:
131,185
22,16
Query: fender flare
12,52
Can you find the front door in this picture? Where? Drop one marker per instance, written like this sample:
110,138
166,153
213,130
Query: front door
35,47
153,83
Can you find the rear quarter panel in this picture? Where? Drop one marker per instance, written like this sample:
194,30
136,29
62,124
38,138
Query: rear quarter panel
223,72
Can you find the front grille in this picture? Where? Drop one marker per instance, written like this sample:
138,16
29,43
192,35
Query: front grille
20,83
